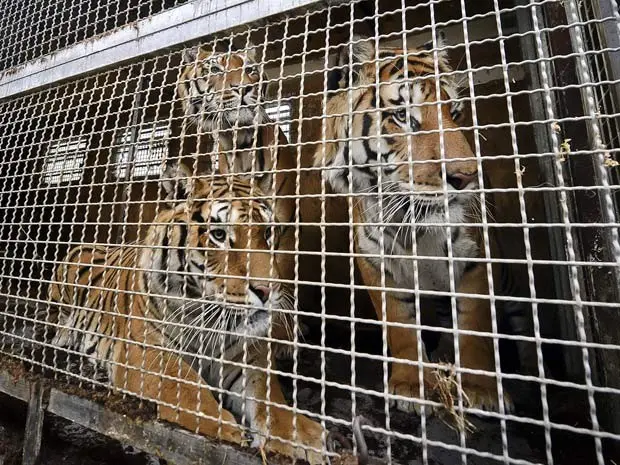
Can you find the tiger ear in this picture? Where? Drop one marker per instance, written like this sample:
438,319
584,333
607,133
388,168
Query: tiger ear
354,54
228,164
362,49
441,46
251,51
190,55
175,181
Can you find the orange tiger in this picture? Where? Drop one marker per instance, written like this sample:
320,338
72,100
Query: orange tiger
401,182
146,313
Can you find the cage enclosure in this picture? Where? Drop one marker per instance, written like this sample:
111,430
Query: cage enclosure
383,232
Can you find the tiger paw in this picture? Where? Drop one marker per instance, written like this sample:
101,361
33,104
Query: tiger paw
406,383
481,392
234,434
229,430
304,444
299,448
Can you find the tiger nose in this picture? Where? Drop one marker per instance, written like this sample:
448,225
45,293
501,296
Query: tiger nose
461,180
262,292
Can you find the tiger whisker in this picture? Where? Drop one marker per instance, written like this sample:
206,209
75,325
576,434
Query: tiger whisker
197,332
158,327
172,317
176,342
398,207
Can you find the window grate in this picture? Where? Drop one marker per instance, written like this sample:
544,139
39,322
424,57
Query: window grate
146,155
64,161
281,114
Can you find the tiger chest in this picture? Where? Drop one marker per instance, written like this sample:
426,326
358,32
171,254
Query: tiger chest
438,272
406,266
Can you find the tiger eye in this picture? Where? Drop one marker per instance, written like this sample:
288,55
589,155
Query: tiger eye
401,114
218,235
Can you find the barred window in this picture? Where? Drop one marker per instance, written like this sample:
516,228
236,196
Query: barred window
141,150
281,114
64,161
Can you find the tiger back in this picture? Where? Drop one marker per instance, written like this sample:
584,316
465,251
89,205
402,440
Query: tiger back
82,268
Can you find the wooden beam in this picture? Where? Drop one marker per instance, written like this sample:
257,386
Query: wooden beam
175,445
34,424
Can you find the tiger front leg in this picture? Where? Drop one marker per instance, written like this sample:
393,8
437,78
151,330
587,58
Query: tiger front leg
476,352
209,419
179,391
278,428
403,344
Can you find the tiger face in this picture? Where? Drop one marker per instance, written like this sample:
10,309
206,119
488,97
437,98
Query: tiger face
217,90
400,135
204,254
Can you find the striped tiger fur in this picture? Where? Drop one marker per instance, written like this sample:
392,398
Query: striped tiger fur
148,312
370,150
222,94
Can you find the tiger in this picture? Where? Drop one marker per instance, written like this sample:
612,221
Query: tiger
366,152
222,95
146,313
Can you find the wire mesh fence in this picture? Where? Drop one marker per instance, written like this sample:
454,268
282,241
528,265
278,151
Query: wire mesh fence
379,229
31,30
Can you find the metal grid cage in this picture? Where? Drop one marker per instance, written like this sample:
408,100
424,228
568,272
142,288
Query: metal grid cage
31,30
373,231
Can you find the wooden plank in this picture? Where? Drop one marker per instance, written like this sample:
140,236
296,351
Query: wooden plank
34,424
175,445
17,388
